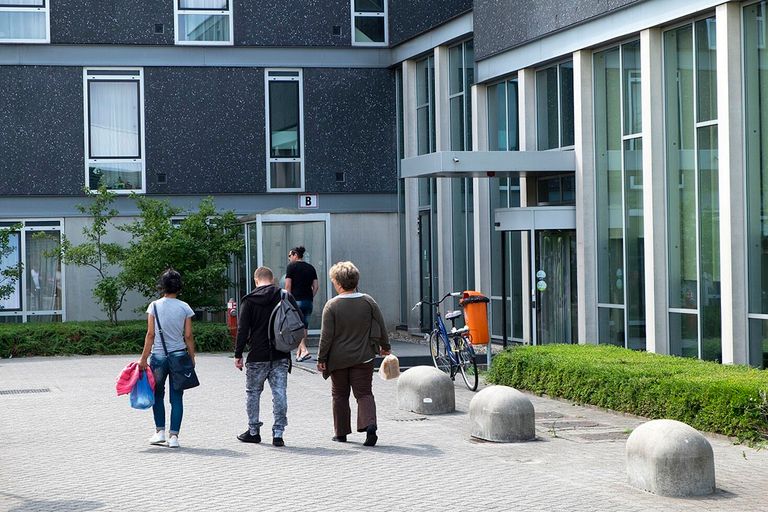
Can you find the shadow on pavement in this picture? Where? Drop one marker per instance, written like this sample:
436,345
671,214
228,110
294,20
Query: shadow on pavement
418,450
203,452
69,505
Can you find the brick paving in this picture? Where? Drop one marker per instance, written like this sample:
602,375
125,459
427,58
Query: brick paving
79,448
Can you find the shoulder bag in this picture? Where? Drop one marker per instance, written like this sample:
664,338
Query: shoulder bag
183,374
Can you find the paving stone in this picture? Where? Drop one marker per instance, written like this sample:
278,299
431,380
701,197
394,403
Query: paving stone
81,448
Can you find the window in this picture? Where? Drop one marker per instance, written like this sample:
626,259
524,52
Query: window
114,129
285,130
503,131
461,64
203,22
554,106
693,212
425,105
24,21
619,197
37,296
369,22
756,114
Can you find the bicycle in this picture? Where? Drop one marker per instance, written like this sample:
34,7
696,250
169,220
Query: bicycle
452,350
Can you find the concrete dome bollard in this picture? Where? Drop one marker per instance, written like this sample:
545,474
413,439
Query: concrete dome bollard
502,414
426,390
670,458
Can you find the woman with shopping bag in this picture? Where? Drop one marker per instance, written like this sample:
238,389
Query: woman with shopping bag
169,350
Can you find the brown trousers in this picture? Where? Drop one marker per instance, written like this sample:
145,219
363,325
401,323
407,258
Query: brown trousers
359,379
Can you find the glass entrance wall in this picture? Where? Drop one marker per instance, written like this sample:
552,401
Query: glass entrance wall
38,295
556,304
504,135
554,106
690,73
756,113
618,156
270,238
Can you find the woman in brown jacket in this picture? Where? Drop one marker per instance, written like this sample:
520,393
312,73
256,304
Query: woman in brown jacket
352,334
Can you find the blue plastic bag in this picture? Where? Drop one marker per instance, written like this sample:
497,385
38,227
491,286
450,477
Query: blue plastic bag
142,396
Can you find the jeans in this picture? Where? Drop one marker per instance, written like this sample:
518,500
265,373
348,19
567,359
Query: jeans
305,305
161,370
277,374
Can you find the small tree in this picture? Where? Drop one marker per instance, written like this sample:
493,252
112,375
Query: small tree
199,247
99,255
10,273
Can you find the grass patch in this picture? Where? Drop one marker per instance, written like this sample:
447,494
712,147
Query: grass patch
86,338
726,399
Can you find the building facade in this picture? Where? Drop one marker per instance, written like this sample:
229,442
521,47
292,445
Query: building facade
598,171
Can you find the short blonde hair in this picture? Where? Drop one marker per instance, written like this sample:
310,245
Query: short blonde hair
264,274
346,275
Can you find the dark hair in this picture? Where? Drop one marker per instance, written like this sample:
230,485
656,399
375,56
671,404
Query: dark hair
299,251
169,282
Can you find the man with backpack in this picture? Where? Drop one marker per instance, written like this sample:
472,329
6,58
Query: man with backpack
263,313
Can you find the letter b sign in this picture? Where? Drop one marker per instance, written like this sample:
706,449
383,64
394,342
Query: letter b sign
308,201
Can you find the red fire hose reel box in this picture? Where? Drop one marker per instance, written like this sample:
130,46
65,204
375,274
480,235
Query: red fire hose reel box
475,306
232,318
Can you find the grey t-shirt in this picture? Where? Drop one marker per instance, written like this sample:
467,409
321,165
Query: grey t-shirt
173,313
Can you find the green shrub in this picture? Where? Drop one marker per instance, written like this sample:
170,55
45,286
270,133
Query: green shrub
85,338
726,399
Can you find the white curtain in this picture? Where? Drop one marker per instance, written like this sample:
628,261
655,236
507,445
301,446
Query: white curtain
203,4
22,25
114,123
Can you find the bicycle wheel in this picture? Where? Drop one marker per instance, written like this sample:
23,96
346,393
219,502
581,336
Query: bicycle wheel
467,363
440,358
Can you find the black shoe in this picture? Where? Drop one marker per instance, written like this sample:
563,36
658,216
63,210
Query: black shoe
278,441
246,437
339,439
370,436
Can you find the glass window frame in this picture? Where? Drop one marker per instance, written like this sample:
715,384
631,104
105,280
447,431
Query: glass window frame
429,61
32,226
505,83
44,8
109,74
365,14
178,11
628,135
676,315
558,66
284,75
463,92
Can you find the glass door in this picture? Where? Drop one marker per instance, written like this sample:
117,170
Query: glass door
272,237
425,268
555,286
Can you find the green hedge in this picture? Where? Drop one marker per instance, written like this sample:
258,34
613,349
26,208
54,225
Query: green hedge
708,396
85,338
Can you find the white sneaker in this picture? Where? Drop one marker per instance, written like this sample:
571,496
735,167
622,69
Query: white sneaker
173,442
158,438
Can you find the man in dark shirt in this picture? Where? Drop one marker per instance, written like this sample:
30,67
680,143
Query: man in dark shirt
301,282
264,362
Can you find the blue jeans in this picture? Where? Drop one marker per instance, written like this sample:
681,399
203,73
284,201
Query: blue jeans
305,305
276,373
161,370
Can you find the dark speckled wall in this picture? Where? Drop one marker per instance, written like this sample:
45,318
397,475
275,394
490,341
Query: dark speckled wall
292,22
409,18
503,24
349,117
111,21
205,130
41,133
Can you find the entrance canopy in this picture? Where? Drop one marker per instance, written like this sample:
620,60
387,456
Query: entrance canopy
486,164
535,218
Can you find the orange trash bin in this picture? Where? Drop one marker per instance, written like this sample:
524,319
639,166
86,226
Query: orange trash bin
475,306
